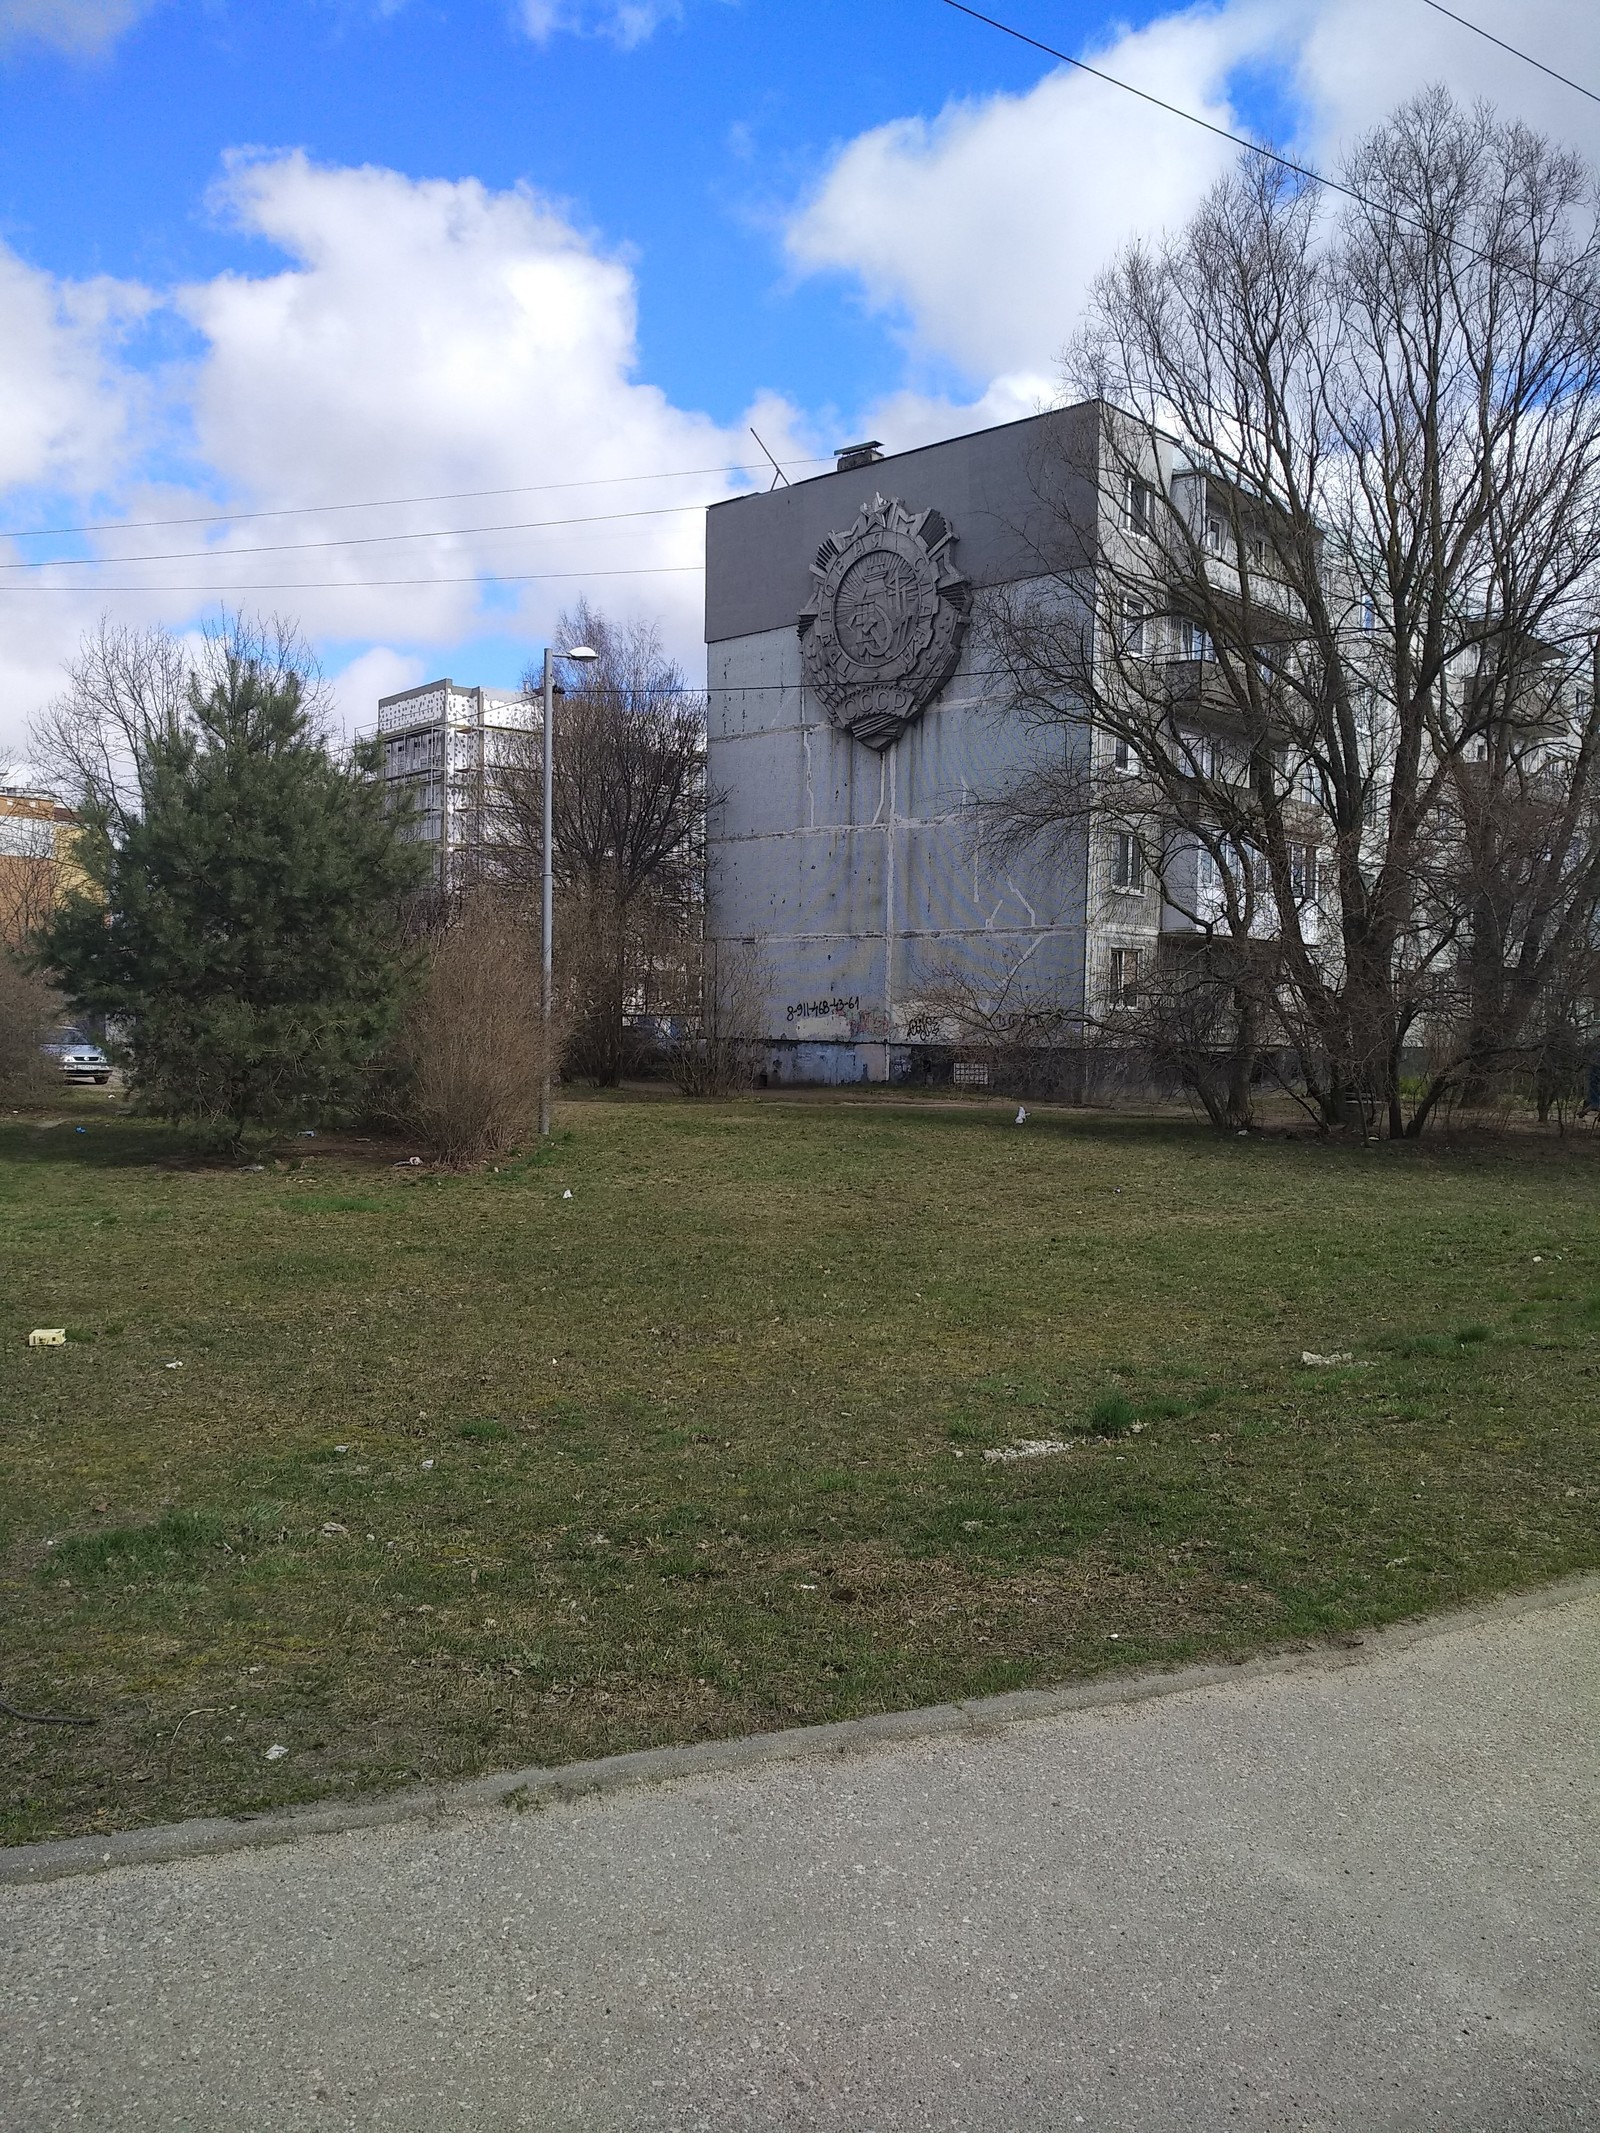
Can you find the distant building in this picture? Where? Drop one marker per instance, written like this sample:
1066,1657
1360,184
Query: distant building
446,746
37,861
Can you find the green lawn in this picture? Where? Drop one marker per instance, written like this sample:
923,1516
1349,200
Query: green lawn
460,1474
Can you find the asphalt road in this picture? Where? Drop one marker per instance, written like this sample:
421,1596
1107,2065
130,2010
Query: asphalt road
1360,1895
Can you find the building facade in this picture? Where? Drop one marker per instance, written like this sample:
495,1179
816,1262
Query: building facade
37,862
1193,693
853,730
445,749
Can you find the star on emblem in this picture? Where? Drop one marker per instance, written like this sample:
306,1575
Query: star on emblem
882,631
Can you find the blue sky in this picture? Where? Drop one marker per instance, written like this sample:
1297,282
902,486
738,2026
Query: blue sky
687,148
297,255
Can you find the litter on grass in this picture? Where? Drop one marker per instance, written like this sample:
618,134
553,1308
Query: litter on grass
1030,1448
48,1337
1022,1114
1325,1362
567,1195
276,1752
172,1366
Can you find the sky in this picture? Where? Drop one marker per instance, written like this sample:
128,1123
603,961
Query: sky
434,317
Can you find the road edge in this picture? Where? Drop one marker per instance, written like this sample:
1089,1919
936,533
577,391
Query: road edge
57,1858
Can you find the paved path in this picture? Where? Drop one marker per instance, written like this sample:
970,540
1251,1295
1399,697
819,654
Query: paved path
1355,1896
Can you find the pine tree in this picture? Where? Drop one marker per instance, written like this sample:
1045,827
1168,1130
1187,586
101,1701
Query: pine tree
241,926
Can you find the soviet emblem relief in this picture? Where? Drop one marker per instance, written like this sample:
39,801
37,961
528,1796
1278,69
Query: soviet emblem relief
882,632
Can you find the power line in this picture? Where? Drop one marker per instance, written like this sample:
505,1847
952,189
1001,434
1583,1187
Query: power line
1516,52
354,540
377,503
1147,96
1387,212
477,577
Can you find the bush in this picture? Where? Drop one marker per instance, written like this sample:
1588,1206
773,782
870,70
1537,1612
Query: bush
722,1055
28,1012
466,1072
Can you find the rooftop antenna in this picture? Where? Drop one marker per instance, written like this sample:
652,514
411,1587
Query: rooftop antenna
777,472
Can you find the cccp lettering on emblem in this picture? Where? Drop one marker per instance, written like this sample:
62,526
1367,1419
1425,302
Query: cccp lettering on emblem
882,631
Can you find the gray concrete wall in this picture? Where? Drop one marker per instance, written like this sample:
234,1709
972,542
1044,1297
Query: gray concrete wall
861,874
1019,496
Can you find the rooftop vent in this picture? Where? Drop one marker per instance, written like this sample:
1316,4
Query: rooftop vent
851,456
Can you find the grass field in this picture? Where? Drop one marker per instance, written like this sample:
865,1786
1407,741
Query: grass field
462,1473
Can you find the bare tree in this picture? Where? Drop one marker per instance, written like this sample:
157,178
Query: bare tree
33,866
130,688
28,1011
719,1050
1021,1037
1344,569
630,800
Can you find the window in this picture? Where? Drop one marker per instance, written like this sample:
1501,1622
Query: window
1369,614
1213,534
1141,504
1133,620
1196,643
1124,977
1124,756
1303,872
1201,753
1127,863
1208,875
1308,788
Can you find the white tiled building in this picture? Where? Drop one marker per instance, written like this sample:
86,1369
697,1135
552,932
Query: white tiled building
446,745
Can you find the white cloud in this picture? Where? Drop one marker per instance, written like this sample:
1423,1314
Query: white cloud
65,402
1356,59
423,338
981,229
433,337
81,27
626,22
354,690
977,232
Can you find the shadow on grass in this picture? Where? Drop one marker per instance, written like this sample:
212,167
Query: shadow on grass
91,1136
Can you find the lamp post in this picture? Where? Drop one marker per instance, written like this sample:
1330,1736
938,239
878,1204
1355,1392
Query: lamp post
547,912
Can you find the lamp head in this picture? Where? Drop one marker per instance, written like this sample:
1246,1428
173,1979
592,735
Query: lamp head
581,651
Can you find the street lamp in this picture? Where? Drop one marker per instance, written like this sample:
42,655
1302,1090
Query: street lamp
582,653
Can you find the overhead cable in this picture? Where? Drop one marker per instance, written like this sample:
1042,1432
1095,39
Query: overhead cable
1386,211
379,503
353,540
1516,51
476,577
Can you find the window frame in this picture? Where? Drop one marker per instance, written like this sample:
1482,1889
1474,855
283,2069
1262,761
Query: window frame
1128,872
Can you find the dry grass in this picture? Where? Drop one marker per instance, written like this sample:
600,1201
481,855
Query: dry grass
699,1449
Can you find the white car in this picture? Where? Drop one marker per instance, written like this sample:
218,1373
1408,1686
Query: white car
78,1057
